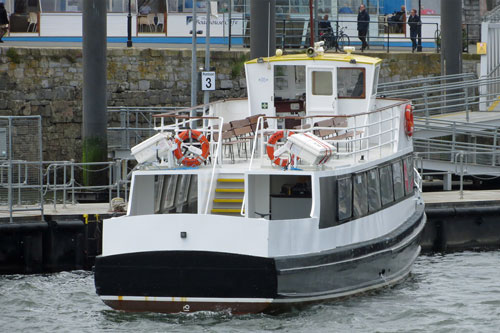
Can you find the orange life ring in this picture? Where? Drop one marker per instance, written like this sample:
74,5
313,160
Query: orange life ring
191,161
409,123
283,162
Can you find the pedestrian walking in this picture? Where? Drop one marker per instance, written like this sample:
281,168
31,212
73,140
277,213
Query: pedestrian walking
363,21
414,23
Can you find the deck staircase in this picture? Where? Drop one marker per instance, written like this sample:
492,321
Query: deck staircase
229,194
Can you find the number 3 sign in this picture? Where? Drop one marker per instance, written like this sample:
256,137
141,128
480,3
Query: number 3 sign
207,80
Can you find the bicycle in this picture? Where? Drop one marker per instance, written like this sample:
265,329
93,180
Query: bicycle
335,41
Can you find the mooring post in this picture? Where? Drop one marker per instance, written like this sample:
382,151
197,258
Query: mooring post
94,136
262,28
451,37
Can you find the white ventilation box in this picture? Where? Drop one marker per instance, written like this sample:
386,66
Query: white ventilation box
310,148
156,146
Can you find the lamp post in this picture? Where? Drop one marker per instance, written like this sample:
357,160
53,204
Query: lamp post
129,25
194,66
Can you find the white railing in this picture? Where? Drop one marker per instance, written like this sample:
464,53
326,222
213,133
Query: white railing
370,132
183,122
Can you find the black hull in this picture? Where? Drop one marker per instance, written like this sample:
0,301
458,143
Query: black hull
188,281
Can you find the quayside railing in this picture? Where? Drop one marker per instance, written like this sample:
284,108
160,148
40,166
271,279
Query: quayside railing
60,182
459,157
436,97
128,126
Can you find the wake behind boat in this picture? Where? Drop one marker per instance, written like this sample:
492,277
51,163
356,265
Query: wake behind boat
303,192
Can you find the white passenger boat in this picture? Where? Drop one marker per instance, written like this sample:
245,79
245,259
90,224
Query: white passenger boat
303,193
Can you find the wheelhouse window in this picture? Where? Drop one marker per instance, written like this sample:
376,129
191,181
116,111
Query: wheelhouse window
322,83
289,91
375,80
360,189
344,188
351,82
374,202
289,82
386,187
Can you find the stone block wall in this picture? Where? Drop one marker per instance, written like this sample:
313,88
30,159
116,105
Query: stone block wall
48,82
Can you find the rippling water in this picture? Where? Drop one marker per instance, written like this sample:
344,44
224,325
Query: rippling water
449,293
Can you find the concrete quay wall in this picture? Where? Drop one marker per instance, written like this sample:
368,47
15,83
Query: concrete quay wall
48,82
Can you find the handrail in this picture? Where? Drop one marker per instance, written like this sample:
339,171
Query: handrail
219,146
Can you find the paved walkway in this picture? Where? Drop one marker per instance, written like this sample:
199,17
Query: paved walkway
176,46
468,196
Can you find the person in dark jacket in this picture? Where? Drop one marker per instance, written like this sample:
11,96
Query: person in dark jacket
4,21
324,25
363,20
414,23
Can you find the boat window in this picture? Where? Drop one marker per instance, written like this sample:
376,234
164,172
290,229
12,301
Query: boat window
168,195
158,187
386,188
327,191
360,202
344,196
193,190
179,194
351,82
322,83
397,177
375,80
182,192
408,174
374,202
290,197
289,82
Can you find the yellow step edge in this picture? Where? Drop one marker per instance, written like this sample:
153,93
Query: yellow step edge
228,200
225,210
231,180
234,190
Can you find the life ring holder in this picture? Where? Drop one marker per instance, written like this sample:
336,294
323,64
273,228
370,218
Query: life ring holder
409,122
270,147
191,161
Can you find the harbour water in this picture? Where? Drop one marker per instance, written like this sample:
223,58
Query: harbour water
445,293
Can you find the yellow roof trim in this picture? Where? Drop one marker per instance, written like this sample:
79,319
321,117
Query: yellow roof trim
325,57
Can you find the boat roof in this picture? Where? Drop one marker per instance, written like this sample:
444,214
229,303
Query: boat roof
325,57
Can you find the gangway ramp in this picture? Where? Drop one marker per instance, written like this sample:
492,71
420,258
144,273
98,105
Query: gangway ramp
456,123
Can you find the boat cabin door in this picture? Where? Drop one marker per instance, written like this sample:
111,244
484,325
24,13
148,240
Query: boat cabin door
321,90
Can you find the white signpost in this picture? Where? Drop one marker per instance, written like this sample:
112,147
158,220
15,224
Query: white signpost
207,81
